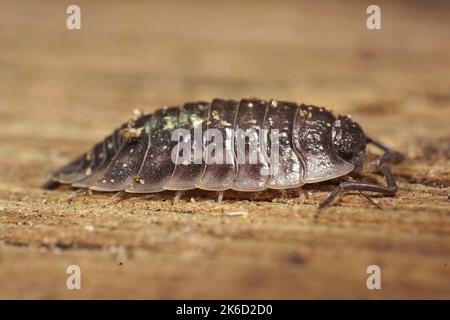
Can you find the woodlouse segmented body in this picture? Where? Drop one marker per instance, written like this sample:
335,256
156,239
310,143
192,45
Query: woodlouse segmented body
313,146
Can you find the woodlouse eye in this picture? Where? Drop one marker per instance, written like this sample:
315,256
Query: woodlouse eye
349,140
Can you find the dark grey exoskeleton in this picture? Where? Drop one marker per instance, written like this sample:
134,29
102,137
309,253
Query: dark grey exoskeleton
313,146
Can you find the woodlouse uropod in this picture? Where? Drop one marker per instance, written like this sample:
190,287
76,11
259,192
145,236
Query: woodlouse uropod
313,146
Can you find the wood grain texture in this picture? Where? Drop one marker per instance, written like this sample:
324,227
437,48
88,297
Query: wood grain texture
61,91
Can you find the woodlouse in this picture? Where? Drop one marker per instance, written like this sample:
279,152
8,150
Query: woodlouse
313,146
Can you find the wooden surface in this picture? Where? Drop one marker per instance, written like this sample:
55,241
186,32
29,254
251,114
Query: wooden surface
61,91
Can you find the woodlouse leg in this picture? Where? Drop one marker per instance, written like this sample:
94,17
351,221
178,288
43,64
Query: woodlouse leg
119,196
220,196
283,193
390,156
78,193
369,199
283,196
301,196
178,196
363,195
388,190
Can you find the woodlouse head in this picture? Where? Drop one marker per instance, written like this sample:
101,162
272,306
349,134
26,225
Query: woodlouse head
349,140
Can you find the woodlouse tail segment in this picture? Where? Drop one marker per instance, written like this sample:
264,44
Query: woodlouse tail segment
123,167
97,156
102,158
68,170
112,173
84,171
